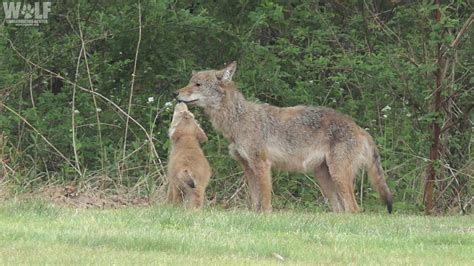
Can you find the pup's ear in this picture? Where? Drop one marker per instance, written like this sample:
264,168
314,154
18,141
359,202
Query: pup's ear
175,137
227,72
172,134
201,136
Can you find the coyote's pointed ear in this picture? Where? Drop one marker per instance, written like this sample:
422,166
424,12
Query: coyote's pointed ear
193,72
201,136
227,72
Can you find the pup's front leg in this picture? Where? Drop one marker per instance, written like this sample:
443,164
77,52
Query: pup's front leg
197,199
174,194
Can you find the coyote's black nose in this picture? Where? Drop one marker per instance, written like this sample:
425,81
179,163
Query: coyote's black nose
175,94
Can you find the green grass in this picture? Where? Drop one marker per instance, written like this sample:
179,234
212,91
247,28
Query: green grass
39,233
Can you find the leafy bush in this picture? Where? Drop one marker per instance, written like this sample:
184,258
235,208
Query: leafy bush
66,115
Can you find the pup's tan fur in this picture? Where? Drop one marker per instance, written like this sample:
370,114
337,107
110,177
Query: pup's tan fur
188,169
298,139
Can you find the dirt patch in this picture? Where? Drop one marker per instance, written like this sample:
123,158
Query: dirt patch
71,196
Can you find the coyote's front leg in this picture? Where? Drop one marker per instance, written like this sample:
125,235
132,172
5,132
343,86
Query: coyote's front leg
250,178
257,172
262,175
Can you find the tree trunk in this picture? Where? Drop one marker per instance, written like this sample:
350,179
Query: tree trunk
434,151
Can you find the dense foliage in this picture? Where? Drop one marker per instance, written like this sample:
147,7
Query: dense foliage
85,98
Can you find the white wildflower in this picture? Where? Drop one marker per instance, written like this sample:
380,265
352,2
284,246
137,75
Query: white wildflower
384,116
278,257
168,104
386,108
151,99
98,110
76,111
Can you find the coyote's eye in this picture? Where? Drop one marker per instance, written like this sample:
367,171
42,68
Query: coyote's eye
198,84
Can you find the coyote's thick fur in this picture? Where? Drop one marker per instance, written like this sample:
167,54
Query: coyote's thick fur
298,139
188,169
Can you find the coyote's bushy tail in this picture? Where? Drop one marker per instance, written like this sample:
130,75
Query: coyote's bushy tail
375,172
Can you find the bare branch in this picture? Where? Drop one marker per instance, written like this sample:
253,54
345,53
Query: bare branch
73,113
43,137
99,129
157,163
133,78
466,24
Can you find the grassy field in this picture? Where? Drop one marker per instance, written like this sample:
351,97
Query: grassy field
40,233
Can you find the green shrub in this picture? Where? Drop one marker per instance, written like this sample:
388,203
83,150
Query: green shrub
371,60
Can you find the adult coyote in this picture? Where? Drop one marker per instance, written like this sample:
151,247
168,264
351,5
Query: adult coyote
297,139
188,169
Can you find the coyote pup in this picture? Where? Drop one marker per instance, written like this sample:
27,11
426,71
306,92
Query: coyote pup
188,169
297,139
